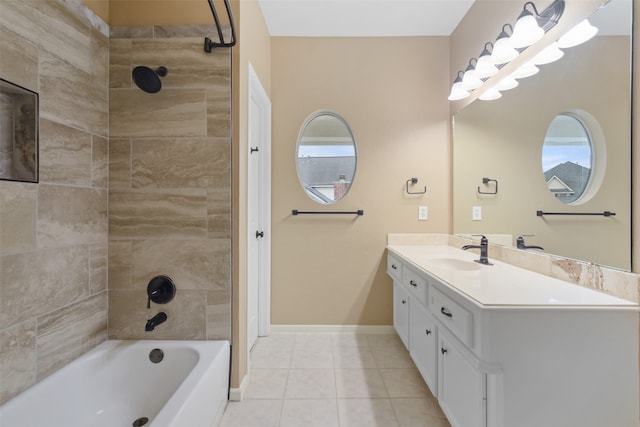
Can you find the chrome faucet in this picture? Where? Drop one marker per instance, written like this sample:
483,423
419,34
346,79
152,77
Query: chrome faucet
484,250
520,243
155,321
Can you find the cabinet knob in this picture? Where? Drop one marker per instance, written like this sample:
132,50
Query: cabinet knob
394,266
412,283
428,331
446,312
443,350
404,301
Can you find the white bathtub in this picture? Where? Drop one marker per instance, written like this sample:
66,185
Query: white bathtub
116,384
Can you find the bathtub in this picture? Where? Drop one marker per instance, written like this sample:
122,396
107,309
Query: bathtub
116,384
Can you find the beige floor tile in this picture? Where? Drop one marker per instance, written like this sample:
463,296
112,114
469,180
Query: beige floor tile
267,384
353,358
349,340
359,383
252,413
315,357
270,357
419,413
310,384
366,413
310,413
392,357
385,341
314,340
404,383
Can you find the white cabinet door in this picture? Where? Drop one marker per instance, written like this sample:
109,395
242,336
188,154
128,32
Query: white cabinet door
461,387
401,312
424,345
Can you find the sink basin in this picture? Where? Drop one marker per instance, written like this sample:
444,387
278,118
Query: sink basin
455,264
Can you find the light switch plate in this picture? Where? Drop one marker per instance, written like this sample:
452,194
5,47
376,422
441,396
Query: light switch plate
422,213
476,213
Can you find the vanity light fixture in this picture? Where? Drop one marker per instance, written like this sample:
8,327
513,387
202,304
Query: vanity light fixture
503,51
579,34
490,95
526,31
457,91
527,69
507,83
470,80
485,67
548,55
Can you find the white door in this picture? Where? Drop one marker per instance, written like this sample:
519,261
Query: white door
258,211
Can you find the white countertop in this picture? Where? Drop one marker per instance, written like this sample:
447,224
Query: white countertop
502,284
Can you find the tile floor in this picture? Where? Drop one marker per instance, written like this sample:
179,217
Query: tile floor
333,380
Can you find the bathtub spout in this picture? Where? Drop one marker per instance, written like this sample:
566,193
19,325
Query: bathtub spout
155,321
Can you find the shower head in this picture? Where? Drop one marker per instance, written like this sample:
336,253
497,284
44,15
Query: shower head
147,79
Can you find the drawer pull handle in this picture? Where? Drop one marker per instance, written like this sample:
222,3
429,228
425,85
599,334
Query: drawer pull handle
412,283
446,312
443,350
394,266
428,331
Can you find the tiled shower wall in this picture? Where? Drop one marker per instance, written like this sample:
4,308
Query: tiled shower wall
170,184
53,234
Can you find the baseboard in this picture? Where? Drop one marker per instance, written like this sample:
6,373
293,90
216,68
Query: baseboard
351,329
236,394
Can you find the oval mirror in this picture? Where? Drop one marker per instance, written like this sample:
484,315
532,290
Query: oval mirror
326,157
567,158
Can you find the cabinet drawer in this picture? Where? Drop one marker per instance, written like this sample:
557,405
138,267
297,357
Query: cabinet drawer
452,315
416,283
394,267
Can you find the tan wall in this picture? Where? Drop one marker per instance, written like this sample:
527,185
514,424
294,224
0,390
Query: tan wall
503,140
170,184
53,234
254,47
392,91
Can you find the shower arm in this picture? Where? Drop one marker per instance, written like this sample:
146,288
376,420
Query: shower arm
210,44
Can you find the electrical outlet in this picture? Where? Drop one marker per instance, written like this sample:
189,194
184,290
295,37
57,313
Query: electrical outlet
422,213
476,213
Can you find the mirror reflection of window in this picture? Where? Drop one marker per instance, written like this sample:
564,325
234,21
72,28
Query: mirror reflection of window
326,157
567,158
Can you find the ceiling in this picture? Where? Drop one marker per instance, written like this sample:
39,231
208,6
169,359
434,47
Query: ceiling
363,18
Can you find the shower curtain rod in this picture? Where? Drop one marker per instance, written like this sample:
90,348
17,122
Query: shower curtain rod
210,44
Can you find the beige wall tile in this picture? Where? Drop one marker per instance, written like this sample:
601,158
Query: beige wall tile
185,163
131,32
40,282
70,215
99,57
18,60
221,163
191,264
219,213
219,109
65,154
71,96
119,164
180,31
120,63
128,315
160,214
219,315
188,65
69,332
17,359
100,162
168,113
98,268
17,217
120,261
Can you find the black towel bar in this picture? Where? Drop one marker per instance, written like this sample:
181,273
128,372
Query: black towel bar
359,212
605,213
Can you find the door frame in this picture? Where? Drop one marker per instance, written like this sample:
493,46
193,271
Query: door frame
258,94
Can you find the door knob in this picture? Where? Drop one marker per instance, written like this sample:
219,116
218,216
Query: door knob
259,234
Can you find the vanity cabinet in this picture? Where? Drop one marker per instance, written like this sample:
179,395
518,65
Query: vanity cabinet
492,359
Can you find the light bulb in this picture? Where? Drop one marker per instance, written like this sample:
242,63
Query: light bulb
507,83
548,55
503,51
490,95
577,35
527,69
526,31
457,92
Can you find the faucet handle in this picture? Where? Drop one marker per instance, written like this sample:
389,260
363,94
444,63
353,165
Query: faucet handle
483,238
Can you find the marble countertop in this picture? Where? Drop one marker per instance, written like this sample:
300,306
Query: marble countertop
502,284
